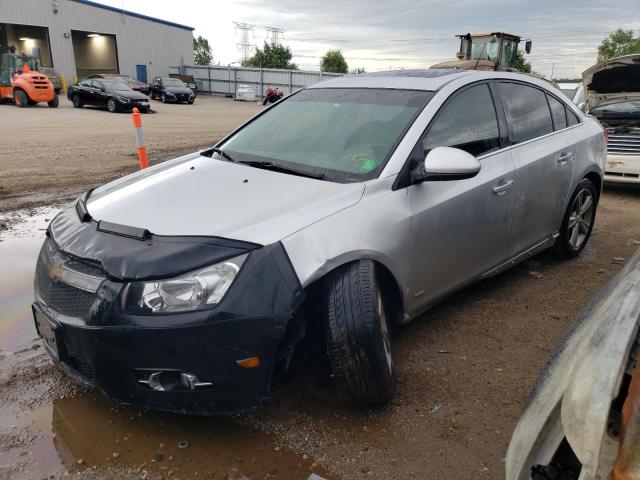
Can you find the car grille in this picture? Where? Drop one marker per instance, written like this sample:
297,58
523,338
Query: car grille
60,279
623,141
182,97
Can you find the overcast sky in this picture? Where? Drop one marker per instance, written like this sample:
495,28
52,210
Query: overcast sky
383,34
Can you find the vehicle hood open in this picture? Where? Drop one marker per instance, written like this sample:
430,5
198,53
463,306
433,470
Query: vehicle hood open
616,80
198,195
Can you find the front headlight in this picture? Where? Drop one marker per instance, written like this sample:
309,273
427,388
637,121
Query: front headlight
122,99
192,291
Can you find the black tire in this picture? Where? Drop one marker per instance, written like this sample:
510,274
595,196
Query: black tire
77,102
55,102
576,228
358,336
20,98
112,106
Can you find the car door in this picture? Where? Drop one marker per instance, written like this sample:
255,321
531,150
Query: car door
82,90
462,228
100,93
544,158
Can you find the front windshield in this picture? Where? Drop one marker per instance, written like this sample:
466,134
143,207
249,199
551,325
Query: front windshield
343,134
484,48
26,60
173,82
117,87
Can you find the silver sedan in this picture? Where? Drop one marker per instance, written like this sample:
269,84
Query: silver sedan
343,210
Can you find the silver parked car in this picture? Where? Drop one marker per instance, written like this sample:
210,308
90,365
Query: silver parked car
349,207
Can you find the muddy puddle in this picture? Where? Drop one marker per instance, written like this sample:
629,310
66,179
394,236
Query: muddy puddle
92,432
86,431
21,237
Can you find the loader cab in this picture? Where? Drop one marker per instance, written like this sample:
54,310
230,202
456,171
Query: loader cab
498,48
486,51
11,63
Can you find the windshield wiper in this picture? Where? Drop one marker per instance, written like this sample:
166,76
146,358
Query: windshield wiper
280,168
223,154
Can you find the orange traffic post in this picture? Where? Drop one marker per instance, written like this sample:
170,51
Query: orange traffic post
142,148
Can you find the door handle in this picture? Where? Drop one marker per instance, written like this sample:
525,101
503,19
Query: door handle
501,188
564,157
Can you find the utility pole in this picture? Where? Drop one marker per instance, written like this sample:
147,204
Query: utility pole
275,35
553,67
245,45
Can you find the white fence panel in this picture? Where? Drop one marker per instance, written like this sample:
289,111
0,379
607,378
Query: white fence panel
225,80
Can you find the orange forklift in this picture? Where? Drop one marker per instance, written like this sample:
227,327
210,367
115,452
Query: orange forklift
21,83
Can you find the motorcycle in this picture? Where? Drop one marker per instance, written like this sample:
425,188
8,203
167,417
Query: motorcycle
272,96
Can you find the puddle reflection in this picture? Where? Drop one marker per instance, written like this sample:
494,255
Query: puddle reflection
91,430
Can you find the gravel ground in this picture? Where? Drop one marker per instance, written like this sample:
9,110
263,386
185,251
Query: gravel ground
465,368
48,154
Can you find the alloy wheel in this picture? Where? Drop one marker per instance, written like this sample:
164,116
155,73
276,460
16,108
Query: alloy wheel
581,218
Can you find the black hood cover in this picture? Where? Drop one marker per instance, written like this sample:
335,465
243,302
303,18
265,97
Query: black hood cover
128,253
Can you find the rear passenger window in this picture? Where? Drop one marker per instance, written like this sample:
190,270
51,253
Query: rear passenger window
572,118
528,114
557,113
468,122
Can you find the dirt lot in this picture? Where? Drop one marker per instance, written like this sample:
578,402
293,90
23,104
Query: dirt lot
465,368
52,153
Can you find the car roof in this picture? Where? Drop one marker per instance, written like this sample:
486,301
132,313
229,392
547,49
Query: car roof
426,79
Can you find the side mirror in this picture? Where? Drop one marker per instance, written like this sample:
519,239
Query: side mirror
527,46
446,163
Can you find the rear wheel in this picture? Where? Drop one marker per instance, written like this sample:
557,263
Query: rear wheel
358,342
578,220
77,102
20,98
54,103
112,106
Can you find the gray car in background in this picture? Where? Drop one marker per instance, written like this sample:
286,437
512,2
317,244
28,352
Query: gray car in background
348,208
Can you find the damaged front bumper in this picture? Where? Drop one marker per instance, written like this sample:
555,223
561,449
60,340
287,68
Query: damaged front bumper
213,361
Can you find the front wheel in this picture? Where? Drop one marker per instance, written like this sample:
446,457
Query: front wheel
77,102
112,106
358,341
20,98
578,220
54,103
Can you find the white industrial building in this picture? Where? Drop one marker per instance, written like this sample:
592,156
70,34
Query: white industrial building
81,37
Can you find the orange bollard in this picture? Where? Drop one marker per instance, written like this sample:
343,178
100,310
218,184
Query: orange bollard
142,148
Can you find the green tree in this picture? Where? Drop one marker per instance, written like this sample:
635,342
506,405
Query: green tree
521,64
620,42
333,61
201,51
273,55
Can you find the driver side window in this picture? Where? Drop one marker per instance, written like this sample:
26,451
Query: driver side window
468,122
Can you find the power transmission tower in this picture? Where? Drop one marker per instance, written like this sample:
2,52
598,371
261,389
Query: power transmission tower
245,45
275,35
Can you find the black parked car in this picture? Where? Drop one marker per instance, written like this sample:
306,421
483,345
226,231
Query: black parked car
115,95
171,90
133,84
